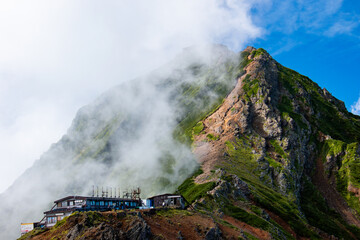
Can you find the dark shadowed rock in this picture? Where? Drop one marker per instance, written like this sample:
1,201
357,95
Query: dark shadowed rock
213,234
139,231
75,232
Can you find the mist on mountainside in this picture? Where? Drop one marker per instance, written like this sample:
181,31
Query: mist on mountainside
127,138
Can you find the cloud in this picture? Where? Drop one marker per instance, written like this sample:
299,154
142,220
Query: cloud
57,56
342,27
355,108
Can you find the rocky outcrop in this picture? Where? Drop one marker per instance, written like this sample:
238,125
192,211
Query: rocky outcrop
251,109
234,189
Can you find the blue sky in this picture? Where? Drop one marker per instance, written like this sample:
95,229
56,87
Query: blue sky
319,39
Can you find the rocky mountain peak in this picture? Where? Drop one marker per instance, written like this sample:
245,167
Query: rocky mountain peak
268,126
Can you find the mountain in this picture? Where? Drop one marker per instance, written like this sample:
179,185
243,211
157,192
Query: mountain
281,148
257,147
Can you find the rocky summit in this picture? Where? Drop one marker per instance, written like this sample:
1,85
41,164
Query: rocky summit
278,156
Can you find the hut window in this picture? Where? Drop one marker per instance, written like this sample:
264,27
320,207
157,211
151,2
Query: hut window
51,219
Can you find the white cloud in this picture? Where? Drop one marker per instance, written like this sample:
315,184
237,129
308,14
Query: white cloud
355,108
342,27
56,56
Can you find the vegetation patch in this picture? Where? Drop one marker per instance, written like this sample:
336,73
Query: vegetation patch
258,52
348,173
94,218
60,223
250,87
244,61
249,236
33,233
285,107
173,212
333,147
240,154
192,191
256,221
342,125
212,137
278,149
198,128
255,209
273,163
246,217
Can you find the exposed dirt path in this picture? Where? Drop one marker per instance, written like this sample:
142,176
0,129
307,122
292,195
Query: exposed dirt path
334,199
220,124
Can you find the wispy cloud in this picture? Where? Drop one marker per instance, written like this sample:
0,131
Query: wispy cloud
290,16
342,27
355,108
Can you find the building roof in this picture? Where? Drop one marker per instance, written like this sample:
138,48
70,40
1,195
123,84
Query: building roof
61,210
169,195
94,198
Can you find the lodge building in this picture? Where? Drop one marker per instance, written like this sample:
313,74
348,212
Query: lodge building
66,206
166,200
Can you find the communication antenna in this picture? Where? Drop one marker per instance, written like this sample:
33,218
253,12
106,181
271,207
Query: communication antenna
111,192
97,191
93,192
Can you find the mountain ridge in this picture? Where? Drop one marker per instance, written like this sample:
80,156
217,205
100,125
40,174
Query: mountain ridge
261,133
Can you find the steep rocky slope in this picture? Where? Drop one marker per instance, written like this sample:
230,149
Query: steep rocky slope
279,156
280,144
